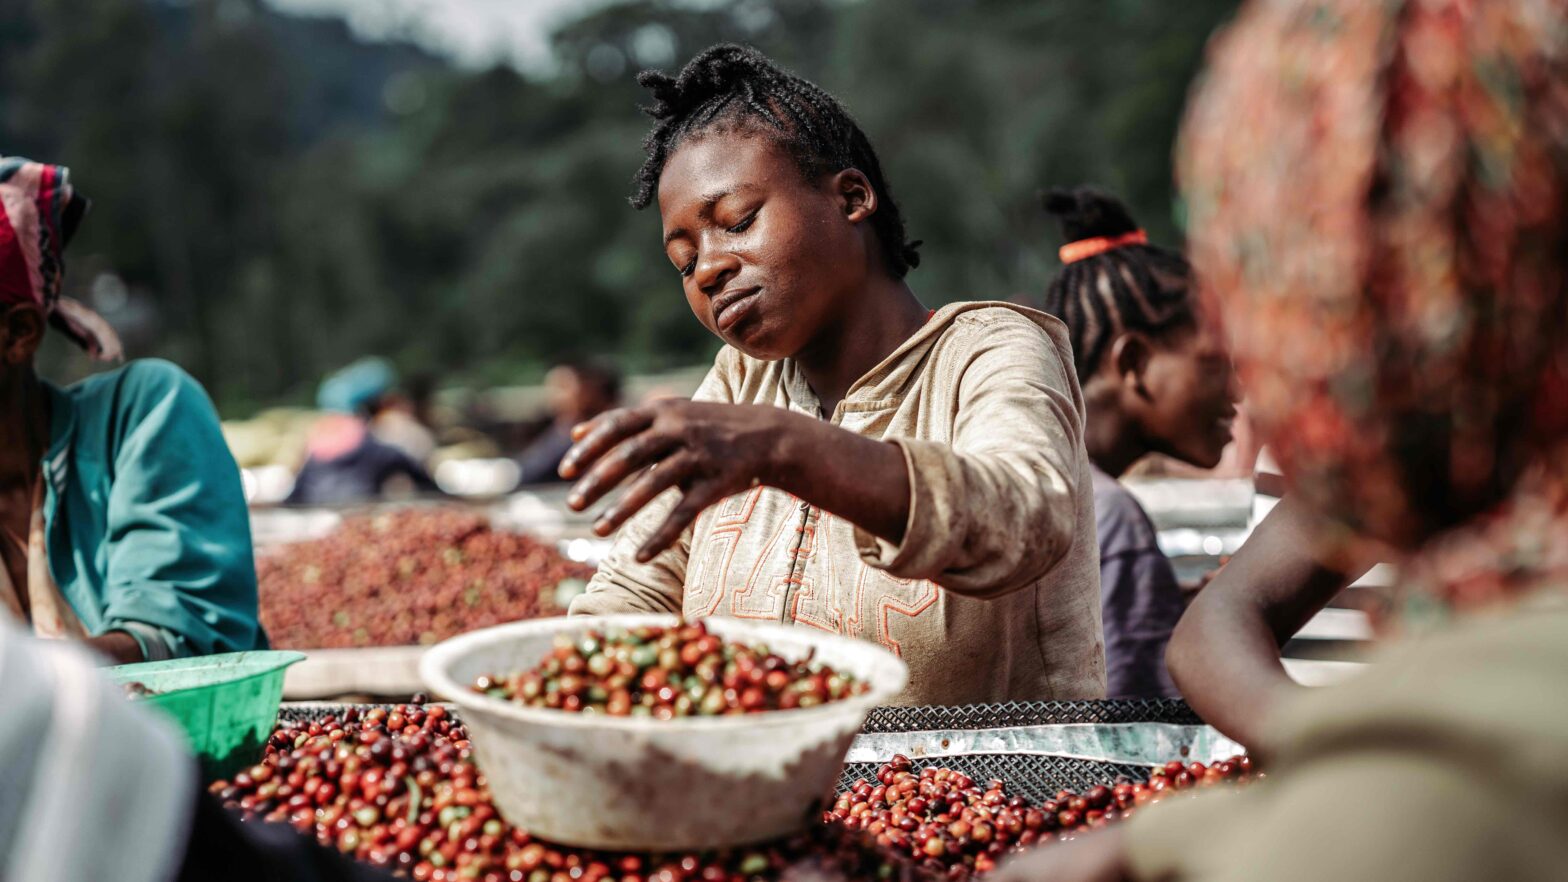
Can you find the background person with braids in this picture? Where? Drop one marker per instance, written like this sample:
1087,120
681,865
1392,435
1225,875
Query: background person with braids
854,462
1155,380
1377,209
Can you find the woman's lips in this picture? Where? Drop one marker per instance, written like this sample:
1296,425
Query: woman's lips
729,308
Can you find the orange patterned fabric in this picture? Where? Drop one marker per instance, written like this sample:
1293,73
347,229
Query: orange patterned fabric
1378,209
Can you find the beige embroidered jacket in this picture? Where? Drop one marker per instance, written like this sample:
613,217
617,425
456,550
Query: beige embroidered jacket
993,595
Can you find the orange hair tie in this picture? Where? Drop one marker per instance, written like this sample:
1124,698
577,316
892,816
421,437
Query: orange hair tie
1085,248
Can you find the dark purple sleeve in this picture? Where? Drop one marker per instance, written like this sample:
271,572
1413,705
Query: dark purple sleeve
1141,604
538,463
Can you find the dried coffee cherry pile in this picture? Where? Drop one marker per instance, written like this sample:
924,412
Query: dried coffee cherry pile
414,576
396,788
951,825
680,671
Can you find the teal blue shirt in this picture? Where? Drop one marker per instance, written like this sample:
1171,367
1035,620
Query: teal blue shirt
145,519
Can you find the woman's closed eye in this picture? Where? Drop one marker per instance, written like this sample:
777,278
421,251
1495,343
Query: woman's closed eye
690,266
745,223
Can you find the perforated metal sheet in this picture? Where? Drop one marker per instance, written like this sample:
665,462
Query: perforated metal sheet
1034,777
928,717
1029,713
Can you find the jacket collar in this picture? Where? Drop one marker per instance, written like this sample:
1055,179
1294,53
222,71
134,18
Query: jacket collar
883,386
62,434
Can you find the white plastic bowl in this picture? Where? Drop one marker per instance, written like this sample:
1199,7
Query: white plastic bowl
640,784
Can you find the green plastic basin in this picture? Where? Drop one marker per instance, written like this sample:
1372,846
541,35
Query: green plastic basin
226,704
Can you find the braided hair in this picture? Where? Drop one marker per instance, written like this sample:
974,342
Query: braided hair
1133,287
729,87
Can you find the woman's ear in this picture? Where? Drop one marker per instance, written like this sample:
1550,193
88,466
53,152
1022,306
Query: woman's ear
855,194
1130,354
21,333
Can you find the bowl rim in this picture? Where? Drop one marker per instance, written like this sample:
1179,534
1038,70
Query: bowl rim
269,662
434,664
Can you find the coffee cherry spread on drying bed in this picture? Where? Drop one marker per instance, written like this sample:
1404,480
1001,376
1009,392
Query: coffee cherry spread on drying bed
407,577
396,787
949,824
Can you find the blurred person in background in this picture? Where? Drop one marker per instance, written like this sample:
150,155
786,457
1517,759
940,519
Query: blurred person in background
401,418
345,462
122,517
94,788
576,390
1155,380
854,462
1377,201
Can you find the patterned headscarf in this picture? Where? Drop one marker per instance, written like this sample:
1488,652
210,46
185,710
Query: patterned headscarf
1378,198
38,207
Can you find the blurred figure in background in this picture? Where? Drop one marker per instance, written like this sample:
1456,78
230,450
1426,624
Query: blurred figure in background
577,390
1155,380
402,419
346,462
122,517
1377,198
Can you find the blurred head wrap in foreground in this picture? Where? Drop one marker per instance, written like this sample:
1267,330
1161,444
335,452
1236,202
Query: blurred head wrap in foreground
1378,213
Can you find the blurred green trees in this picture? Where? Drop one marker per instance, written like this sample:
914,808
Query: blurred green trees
273,199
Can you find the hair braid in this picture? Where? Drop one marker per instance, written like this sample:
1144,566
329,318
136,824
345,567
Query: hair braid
738,85
1131,288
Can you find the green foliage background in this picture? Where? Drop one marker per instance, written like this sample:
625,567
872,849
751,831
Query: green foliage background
274,199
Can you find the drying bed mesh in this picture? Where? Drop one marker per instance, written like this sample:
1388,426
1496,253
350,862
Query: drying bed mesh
939,717
1034,777
1029,713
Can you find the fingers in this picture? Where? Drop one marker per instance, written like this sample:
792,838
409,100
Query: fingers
668,473
697,498
599,435
620,463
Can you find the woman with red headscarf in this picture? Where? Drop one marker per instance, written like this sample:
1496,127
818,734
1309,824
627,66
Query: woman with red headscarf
1378,196
122,518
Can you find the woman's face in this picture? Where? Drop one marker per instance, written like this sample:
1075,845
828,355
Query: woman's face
766,257
1190,397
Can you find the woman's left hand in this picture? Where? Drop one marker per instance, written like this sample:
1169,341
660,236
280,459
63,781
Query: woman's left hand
706,449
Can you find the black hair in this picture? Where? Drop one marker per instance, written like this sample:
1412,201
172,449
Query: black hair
75,209
739,86
1134,287
595,373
